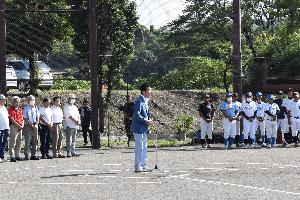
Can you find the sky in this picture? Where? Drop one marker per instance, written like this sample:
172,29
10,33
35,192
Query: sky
158,12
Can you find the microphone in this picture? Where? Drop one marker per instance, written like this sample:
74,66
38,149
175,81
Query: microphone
155,105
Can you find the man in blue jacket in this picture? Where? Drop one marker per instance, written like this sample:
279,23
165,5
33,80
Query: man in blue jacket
140,128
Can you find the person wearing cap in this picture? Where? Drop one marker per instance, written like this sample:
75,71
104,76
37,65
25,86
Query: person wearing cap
46,124
86,117
238,104
57,134
230,113
206,112
294,117
281,117
286,103
248,113
128,109
272,110
260,118
72,122
4,127
16,127
31,117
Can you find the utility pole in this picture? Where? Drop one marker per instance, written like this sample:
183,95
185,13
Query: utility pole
94,73
3,89
237,48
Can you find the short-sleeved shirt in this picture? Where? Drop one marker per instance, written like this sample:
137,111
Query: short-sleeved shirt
207,109
238,105
71,111
294,108
282,108
46,113
31,113
16,114
260,109
249,108
272,108
230,109
57,114
4,120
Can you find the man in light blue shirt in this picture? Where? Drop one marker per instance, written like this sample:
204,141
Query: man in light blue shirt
140,128
31,120
230,113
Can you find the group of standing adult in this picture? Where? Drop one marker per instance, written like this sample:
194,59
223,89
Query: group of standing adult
45,124
262,118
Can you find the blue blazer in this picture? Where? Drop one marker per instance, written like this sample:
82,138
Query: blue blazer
140,116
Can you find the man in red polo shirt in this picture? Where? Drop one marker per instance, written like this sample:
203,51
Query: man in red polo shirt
16,126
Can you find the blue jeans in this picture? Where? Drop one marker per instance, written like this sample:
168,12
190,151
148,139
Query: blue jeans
140,150
3,141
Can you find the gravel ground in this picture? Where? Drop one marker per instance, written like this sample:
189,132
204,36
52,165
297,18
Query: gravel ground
184,173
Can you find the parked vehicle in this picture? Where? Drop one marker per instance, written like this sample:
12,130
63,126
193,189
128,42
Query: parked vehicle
11,77
22,71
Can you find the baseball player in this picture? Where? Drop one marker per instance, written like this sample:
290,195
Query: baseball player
230,113
248,113
272,110
260,117
206,113
282,117
294,117
238,104
285,103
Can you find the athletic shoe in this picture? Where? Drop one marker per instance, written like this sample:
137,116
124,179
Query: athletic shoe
269,146
204,146
263,145
138,170
242,145
252,146
209,146
284,144
274,146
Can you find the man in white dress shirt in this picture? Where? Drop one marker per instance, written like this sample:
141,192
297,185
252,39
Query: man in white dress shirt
72,122
57,128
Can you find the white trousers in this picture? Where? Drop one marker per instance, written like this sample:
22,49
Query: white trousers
229,128
248,129
283,125
295,126
206,129
271,127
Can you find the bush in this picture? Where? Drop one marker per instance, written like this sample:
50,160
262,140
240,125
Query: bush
59,83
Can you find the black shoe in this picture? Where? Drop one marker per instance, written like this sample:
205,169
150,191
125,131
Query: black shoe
284,144
26,158
44,157
13,160
75,155
34,158
19,159
49,156
68,156
61,156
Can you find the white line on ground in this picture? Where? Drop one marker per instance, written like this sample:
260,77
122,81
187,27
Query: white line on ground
112,164
107,176
245,186
74,183
115,170
253,163
134,177
144,182
221,163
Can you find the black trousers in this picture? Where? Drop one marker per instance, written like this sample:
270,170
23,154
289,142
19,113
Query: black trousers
45,136
86,130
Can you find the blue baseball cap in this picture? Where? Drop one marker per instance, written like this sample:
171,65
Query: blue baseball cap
270,96
259,94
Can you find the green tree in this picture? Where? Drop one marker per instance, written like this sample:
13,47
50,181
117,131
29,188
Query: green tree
30,33
116,23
